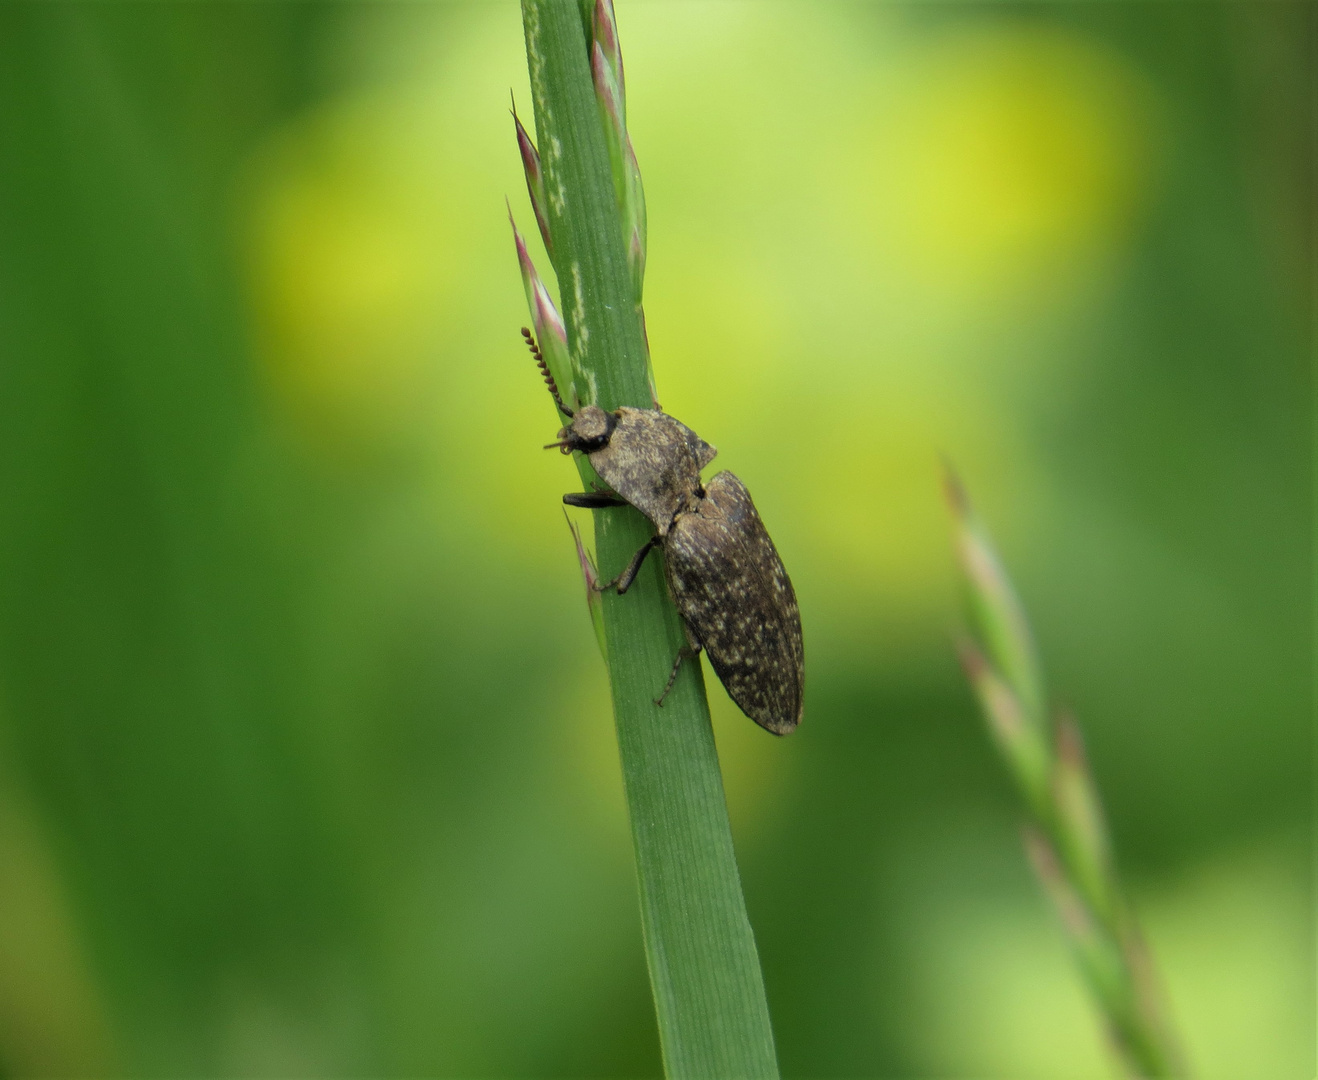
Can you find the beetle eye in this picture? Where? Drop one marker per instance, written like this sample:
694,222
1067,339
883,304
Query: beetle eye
590,429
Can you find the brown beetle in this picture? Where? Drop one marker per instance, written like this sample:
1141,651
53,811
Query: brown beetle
723,572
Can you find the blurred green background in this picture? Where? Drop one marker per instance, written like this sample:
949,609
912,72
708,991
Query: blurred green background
306,760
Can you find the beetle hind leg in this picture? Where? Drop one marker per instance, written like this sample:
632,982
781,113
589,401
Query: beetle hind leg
686,652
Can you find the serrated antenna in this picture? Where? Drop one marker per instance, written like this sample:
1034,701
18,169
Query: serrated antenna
544,370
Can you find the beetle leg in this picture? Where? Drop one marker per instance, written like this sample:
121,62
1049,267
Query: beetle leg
686,652
623,581
593,500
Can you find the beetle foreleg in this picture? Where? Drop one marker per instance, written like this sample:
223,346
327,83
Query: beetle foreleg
686,652
593,500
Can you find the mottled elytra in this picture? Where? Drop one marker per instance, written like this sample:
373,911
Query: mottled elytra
723,572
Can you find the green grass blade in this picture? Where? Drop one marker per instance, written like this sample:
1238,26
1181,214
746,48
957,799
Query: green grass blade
708,990
1066,835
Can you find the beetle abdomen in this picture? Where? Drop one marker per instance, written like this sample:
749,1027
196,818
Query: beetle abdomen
729,584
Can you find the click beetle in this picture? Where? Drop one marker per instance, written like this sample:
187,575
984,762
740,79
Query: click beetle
722,569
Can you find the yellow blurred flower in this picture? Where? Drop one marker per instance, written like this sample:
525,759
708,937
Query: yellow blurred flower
1005,154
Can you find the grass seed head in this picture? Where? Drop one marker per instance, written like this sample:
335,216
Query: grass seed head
535,180
550,331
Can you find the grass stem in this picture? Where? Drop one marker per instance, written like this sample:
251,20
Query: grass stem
704,970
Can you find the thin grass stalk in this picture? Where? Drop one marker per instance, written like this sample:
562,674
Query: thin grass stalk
1065,832
704,970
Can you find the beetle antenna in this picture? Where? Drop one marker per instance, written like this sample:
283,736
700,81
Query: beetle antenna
544,370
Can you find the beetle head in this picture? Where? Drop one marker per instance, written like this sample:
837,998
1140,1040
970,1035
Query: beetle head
589,431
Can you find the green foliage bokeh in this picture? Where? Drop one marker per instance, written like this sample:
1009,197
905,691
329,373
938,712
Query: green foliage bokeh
306,766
